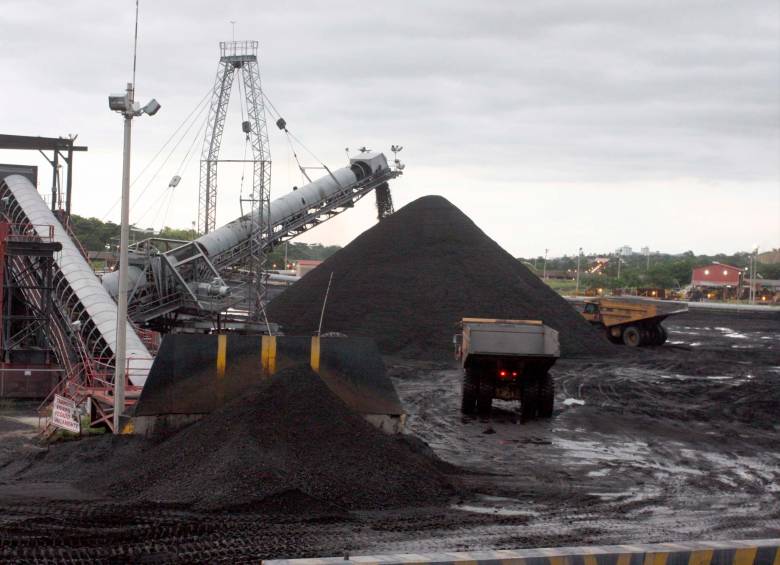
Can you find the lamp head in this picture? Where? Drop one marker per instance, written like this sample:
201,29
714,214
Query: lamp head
118,102
151,108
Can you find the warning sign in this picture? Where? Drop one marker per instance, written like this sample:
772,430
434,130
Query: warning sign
64,414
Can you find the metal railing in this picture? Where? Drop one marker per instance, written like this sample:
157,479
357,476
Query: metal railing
238,48
25,232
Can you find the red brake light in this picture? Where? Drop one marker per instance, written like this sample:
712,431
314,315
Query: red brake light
502,373
514,373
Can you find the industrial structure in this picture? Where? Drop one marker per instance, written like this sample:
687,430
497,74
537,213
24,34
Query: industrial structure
54,300
175,286
239,56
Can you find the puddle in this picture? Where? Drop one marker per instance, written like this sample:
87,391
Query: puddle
589,452
498,506
574,402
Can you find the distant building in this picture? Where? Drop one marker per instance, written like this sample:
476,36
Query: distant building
624,251
304,266
717,275
769,257
645,251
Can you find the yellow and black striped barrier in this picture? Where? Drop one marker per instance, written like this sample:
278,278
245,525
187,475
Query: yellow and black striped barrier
193,375
748,552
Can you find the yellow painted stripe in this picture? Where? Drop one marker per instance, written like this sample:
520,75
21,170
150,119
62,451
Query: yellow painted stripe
700,557
590,560
221,355
777,557
129,428
623,559
272,354
746,556
557,560
268,354
656,558
315,354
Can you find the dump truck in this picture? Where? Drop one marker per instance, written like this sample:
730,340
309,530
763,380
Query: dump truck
508,360
633,322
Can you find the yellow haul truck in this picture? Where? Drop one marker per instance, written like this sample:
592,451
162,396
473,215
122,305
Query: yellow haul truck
633,322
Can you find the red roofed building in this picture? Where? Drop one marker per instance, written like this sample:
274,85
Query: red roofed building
717,275
304,266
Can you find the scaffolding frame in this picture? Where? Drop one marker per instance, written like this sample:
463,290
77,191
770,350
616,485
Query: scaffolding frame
239,56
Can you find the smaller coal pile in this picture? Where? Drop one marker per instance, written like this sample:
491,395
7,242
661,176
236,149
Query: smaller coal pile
289,444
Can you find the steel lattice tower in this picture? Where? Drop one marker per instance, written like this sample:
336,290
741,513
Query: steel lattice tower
239,56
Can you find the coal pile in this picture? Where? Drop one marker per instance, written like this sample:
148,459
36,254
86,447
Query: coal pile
288,445
408,280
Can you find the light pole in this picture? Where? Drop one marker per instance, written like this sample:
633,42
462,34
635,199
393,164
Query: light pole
125,105
544,274
577,288
753,274
618,261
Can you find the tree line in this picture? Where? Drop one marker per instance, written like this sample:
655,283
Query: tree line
97,235
659,270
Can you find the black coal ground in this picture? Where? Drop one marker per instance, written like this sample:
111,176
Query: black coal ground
287,444
644,447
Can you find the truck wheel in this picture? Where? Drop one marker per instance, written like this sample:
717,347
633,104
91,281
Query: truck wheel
468,401
632,337
485,397
662,335
546,396
528,399
616,340
650,336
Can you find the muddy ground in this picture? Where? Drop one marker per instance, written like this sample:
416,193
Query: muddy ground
676,443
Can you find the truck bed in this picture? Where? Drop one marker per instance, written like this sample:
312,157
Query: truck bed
509,338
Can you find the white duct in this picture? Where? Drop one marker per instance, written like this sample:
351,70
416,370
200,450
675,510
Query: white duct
291,204
95,300
294,202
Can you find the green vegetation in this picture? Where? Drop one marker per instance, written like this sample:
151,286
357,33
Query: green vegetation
96,235
662,270
93,234
295,251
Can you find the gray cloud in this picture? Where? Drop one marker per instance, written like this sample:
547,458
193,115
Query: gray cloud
603,94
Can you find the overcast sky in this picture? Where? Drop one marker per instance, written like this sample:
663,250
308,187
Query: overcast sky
552,124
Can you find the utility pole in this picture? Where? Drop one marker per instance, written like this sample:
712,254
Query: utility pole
618,262
120,360
544,275
753,274
577,288
125,105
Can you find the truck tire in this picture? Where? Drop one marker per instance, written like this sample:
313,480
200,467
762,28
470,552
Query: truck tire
616,340
468,402
546,396
485,397
528,399
662,335
632,337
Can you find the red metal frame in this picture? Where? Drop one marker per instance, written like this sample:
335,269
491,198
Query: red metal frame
92,380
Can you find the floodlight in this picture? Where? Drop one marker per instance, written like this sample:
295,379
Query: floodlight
117,102
151,108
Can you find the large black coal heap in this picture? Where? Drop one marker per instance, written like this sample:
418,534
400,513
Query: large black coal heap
408,280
